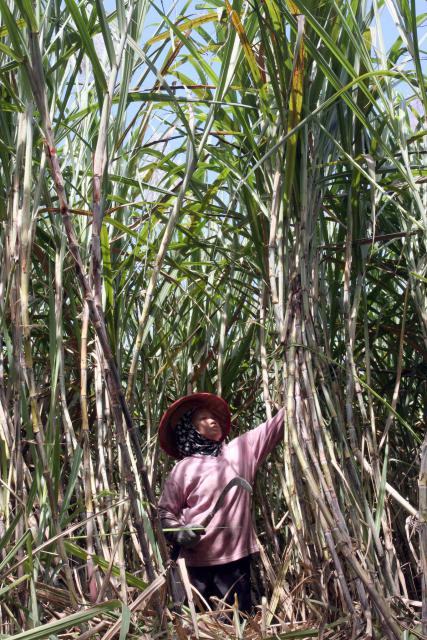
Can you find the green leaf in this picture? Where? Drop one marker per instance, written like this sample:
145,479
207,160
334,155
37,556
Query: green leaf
105,29
14,584
26,9
71,481
125,622
419,277
8,51
75,619
78,552
120,227
87,42
10,106
18,545
4,31
12,28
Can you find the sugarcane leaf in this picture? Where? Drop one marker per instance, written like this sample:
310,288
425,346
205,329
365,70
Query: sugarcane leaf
87,44
9,52
13,29
187,25
14,584
75,619
78,552
106,33
125,622
72,479
18,545
26,9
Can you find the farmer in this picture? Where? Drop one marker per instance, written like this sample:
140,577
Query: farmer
193,430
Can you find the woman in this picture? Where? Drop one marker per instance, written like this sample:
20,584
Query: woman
193,430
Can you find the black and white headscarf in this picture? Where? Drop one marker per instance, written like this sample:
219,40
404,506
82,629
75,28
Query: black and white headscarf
189,441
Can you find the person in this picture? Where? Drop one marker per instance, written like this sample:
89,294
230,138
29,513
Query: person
193,430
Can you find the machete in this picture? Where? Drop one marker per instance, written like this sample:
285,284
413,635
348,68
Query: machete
235,482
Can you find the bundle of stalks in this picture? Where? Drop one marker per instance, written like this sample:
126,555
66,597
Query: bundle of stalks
232,202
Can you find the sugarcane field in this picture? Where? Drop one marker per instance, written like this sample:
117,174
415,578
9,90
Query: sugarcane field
213,319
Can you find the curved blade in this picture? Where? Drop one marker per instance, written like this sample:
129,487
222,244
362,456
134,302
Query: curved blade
235,482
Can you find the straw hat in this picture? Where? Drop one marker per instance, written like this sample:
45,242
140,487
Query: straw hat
174,413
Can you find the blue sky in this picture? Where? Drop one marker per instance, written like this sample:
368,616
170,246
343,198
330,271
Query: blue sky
194,7
197,8
389,29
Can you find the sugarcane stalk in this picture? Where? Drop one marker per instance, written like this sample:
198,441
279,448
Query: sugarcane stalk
14,252
70,436
103,436
100,166
273,239
87,483
338,566
263,351
22,237
343,544
289,418
349,331
422,531
386,557
149,293
192,155
117,399
332,516
102,423
118,538
221,345
100,162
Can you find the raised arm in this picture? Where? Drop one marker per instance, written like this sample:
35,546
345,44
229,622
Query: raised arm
262,439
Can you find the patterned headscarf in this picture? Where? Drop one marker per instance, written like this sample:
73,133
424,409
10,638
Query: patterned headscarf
189,441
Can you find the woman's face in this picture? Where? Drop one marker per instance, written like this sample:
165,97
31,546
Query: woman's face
206,424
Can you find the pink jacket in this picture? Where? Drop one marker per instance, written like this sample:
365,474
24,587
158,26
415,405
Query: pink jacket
194,484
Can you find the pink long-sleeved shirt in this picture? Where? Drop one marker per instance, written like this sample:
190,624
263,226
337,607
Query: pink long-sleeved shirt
193,487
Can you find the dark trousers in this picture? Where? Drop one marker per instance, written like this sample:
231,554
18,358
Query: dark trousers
225,580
